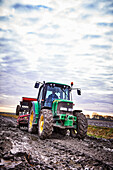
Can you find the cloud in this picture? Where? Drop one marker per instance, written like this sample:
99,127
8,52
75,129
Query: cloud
29,8
91,36
32,20
47,36
5,39
1,1
3,30
60,41
103,24
102,46
91,6
4,18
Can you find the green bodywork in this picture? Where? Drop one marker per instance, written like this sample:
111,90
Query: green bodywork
55,105
36,108
68,120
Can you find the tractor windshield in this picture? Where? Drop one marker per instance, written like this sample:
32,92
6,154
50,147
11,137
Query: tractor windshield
56,91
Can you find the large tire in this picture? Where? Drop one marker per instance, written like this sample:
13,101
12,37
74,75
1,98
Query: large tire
31,127
82,125
18,125
45,124
17,110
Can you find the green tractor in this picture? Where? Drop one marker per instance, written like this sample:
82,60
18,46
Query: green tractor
53,111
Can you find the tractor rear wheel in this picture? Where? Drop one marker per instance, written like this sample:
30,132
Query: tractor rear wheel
31,127
82,125
45,124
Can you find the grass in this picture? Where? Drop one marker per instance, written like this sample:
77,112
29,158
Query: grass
9,115
100,132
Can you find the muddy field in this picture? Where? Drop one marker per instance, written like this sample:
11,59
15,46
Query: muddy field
21,150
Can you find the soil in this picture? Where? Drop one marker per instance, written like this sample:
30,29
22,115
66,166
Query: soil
22,150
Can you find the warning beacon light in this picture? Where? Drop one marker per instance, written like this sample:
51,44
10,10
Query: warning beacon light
71,84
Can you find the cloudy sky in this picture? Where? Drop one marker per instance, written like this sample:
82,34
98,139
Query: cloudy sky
60,41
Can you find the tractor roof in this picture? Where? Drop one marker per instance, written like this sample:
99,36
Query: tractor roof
57,83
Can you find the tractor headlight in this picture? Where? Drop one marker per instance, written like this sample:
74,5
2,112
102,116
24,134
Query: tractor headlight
70,109
63,109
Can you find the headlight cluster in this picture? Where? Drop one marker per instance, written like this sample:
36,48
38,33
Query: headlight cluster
70,109
66,109
63,109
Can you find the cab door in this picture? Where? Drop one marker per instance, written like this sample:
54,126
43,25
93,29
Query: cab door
41,97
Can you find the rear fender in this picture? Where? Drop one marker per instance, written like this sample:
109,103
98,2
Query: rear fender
76,111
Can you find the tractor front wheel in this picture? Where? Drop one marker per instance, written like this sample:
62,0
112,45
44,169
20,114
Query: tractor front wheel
45,124
82,125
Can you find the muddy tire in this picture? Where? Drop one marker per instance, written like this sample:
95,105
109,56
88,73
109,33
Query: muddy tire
82,125
31,127
17,110
45,124
18,125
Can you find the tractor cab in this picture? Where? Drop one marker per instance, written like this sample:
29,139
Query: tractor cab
54,92
51,91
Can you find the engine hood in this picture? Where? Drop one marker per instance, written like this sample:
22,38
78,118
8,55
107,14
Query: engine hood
61,102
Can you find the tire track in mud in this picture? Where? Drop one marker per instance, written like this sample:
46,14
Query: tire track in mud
81,155
21,150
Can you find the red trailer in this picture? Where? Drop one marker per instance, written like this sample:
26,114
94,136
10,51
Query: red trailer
23,111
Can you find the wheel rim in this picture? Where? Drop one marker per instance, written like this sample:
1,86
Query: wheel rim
31,119
75,131
41,124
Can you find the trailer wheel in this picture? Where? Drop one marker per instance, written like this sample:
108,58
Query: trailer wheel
17,110
82,125
18,125
31,127
45,124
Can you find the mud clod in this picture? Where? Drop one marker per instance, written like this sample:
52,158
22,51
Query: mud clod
21,150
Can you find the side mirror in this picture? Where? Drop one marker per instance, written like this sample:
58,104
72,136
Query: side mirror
36,85
79,91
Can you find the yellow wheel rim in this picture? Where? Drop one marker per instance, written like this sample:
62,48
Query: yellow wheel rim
31,119
41,124
75,131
